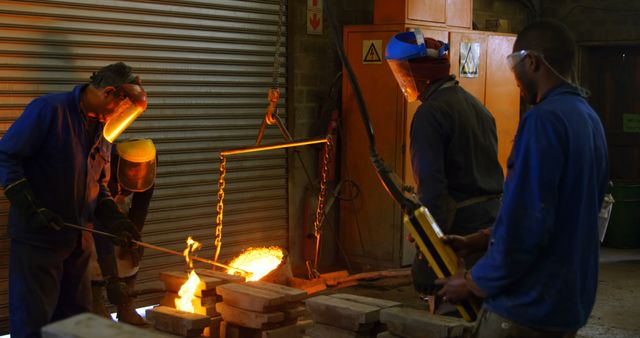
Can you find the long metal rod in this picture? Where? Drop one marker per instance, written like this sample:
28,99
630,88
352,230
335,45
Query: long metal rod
155,247
274,146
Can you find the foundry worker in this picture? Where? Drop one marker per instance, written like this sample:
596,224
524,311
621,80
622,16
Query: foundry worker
133,173
453,144
540,271
54,166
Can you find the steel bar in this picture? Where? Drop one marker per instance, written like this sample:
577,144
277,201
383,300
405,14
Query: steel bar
155,247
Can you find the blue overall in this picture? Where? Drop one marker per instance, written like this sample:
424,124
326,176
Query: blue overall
541,267
64,157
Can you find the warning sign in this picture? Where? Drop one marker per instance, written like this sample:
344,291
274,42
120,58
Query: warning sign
371,52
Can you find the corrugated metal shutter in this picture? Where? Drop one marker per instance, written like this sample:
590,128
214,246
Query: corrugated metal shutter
206,66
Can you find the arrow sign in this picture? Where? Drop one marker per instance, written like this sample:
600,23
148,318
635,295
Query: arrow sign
314,17
314,21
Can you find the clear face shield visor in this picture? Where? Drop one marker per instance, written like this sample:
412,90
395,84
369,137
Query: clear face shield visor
136,177
134,102
402,72
136,165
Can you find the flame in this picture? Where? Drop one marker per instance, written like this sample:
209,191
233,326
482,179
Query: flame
258,261
191,247
186,293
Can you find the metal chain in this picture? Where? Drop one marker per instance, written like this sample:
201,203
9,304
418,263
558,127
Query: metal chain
220,206
323,188
276,57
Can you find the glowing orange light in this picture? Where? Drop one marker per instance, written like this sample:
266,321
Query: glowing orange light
258,261
186,293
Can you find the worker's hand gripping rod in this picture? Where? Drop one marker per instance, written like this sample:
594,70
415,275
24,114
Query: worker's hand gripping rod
154,247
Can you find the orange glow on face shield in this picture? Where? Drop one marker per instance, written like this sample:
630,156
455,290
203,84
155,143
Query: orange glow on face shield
126,112
402,72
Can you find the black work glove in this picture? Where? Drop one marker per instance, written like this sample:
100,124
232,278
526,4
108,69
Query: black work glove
108,213
35,216
117,291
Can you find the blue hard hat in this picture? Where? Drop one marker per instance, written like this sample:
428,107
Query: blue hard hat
405,46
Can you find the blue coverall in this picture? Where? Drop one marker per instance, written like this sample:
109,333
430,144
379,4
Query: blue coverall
541,267
65,159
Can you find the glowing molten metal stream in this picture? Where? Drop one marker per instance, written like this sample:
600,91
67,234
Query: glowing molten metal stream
258,261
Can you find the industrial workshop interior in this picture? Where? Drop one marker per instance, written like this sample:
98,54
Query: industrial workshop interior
320,168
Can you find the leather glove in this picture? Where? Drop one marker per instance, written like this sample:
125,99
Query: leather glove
35,216
108,213
117,291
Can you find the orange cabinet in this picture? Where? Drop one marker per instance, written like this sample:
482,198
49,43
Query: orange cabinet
371,230
453,13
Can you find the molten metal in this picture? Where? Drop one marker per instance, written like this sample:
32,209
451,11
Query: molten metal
258,261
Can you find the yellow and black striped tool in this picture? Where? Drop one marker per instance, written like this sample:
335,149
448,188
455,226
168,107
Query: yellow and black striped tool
441,257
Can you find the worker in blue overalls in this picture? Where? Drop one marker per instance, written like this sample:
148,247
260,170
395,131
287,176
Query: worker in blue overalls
54,166
133,172
540,271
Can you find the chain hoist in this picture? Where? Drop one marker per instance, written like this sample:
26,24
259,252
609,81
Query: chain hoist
317,225
220,205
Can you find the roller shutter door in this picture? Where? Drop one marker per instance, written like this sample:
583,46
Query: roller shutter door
207,66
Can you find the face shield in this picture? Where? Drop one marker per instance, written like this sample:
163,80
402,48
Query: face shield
405,47
133,102
137,164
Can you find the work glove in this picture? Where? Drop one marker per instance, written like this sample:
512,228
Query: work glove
36,217
109,215
117,291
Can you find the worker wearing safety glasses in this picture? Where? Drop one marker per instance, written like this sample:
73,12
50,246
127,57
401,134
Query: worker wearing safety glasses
453,144
132,183
540,271
54,166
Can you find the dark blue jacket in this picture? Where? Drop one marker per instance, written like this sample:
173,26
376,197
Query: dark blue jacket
541,268
65,159
454,153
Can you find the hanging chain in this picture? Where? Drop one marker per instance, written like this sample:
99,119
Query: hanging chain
323,188
276,57
220,206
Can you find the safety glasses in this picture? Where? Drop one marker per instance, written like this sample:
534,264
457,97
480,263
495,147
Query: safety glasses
514,58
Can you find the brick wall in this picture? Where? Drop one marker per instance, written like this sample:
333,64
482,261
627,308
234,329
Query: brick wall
313,66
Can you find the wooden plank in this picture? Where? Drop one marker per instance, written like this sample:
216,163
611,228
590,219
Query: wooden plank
173,281
290,331
403,321
177,322
291,294
221,275
169,300
213,331
245,318
377,302
342,313
327,331
249,298
88,325
310,286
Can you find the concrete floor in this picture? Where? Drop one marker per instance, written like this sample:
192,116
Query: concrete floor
616,313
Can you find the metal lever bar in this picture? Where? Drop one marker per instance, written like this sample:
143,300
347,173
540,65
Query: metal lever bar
154,247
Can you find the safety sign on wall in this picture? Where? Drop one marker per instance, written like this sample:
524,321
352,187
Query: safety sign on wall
371,51
314,17
469,59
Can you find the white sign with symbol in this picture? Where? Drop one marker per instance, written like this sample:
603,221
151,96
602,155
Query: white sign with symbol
371,52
